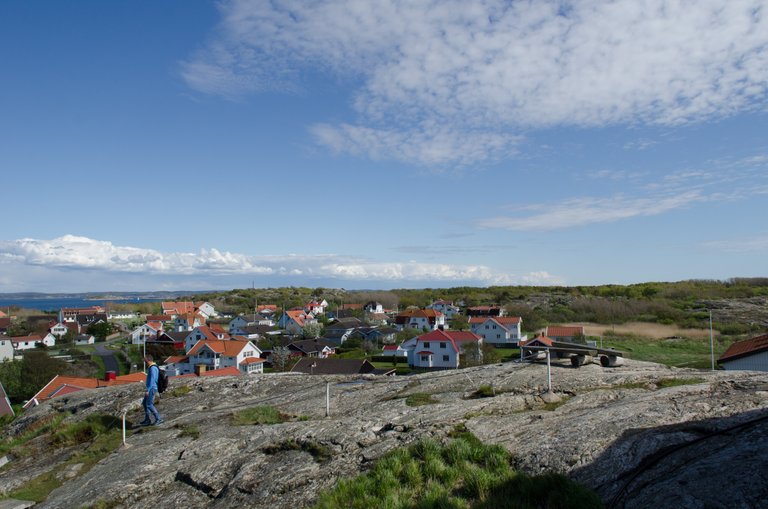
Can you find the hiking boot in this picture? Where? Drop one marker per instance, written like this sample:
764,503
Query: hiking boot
145,422
158,422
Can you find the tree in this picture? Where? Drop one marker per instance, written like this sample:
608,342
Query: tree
280,358
459,322
101,330
311,331
471,355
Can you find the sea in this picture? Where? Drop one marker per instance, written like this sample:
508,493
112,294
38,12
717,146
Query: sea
55,304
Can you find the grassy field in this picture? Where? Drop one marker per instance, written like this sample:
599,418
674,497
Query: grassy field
679,352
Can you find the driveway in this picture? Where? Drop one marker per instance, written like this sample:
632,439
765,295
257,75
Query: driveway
108,356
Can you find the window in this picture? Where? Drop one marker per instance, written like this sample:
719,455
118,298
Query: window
425,358
445,358
486,327
443,345
498,336
426,344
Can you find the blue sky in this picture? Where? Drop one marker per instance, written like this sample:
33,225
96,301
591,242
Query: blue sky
209,145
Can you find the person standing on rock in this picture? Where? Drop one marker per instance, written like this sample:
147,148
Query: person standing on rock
153,374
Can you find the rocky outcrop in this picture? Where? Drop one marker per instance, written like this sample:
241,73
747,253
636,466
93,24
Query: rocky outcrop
624,432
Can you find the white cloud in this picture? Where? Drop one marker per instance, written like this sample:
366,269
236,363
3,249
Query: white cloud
480,68
68,253
583,211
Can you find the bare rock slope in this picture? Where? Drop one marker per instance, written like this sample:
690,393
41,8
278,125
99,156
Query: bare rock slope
629,433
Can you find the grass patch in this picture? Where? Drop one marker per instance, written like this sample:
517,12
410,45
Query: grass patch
674,382
678,352
179,391
259,415
15,445
484,391
86,430
319,452
97,436
462,474
420,399
188,430
554,405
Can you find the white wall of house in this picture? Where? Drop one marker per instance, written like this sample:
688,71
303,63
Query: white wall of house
142,333
498,334
59,330
207,309
755,362
6,348
443,355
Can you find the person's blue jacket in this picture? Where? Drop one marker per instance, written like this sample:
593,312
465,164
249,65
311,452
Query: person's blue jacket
152,376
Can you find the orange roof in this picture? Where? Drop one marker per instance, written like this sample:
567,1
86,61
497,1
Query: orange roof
159,318
252,360
208,333
563,331
217,328
231,370
541,339
176,358
61,385
745,348
2,315
226,347
178,308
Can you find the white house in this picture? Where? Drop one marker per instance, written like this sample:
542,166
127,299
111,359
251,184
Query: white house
750,354
31,341
217,354
445,307
58,329
295,320
373,307
238,323
394,351
188,321
6,348
203,333
441,349
144,333
428,319
316,307
85,339
498,330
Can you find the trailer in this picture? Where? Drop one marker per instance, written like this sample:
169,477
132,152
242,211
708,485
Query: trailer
579,354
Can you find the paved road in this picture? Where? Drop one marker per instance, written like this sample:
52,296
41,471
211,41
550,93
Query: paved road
108,356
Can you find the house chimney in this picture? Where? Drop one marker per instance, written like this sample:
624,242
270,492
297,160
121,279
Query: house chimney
200,369
110,376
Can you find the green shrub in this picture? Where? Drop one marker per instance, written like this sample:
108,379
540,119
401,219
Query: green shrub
419,399
464,474
259,415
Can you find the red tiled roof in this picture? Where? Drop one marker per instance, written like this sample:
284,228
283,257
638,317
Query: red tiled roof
424,352
745,348
565,331
252,360
390,347
541,339
159,318
501,320
60,385
226,347
228,371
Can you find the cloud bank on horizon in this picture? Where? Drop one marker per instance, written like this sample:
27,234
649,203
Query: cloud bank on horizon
456,82
216,268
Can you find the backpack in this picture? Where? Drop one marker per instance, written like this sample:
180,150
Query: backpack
162,380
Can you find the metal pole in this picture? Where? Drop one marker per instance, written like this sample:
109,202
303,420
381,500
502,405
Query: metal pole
549,373
124,412
327,399
711,341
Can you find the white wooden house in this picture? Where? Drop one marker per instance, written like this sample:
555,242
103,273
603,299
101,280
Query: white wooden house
31,341
441,349
498,330
144,333
217,354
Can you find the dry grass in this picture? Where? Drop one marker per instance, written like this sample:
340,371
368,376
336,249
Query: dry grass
645,329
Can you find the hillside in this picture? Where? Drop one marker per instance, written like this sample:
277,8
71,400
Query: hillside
640,435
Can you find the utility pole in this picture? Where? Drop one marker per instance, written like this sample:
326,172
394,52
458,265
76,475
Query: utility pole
711,341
